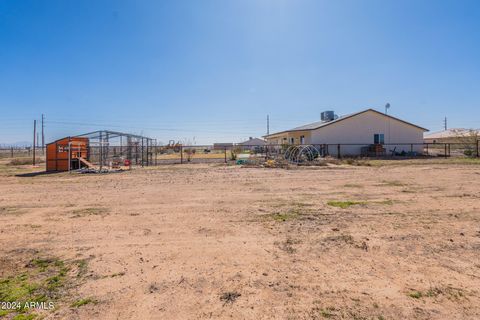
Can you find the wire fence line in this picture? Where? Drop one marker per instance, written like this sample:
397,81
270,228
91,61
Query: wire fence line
230,153
224,153
20,152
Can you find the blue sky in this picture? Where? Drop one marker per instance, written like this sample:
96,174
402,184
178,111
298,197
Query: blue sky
211,70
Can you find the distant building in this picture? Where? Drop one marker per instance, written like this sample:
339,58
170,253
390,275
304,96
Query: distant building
354,132
222,145
454,135
254,142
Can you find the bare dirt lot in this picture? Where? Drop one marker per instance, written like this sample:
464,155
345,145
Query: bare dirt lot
396,240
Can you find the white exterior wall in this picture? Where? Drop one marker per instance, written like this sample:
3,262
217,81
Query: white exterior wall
361,128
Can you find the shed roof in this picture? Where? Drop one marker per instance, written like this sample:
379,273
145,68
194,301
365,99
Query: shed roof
69,138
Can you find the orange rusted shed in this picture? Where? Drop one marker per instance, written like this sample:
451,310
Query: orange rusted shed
58,153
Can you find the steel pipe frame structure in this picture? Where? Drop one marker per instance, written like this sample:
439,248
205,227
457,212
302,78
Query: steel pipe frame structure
103,138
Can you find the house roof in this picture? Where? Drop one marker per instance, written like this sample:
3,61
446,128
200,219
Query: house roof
253,142
452,133
320,124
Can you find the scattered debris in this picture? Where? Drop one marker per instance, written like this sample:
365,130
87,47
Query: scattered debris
229,297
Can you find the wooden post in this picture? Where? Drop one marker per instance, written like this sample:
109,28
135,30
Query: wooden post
69,155
43,135
449,149
34,136
11,151
181,154
445,150
427,149
411,148
225,154
478,148
338,151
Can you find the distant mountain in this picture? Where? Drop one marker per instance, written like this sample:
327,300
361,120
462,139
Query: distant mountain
18,144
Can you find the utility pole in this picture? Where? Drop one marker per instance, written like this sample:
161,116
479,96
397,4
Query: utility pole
445,124
34,136
43,134
268,125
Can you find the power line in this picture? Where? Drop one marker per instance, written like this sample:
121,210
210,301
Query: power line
149,128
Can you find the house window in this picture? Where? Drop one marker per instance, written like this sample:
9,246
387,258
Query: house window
292,141
378,138
302,139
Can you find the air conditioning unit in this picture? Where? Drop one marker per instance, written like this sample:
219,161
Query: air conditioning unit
327,116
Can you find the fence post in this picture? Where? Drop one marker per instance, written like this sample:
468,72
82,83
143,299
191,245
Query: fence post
449,154
445,150
338,151
427,149
225,149
411,148
34,135
11,151
478,148
70,156
181,154
136,153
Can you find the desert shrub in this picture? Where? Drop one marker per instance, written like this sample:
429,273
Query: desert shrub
190,152
24,161
234,152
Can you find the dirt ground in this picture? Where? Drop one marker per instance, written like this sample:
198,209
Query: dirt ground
391,241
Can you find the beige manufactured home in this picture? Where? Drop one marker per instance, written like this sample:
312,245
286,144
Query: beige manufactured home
355,131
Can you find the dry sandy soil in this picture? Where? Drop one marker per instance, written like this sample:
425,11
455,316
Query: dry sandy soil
214,241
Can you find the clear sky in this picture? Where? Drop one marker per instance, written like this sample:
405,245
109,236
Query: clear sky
211,70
